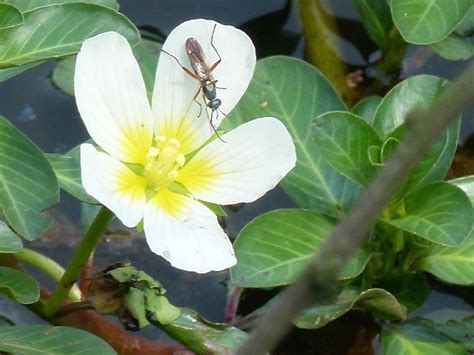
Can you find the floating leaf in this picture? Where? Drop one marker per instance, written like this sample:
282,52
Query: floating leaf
367,107
454,47
18,286
344,139
10,16
43,339
416,340
28,184
438,212
58,30
9,241
28,5
450,264
275,247
280,88
428,21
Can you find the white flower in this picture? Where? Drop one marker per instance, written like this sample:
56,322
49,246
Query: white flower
148,153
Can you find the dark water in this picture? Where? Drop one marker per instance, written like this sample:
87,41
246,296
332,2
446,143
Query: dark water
49,117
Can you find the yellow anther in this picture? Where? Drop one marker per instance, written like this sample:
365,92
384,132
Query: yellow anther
173,174
180,159
152,153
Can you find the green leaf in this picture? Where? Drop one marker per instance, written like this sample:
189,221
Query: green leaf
18,286
410,339
384,306
28,5
275,247
428,21
466,184
10,16
6,74
202,336
438,212
377,20
146,54
58,30
454,47
343,140
42,339
450,264
466,27
9,241
410,289
367,107
28,184
417,91
295,92
68,172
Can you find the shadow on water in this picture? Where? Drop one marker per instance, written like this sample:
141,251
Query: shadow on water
49,117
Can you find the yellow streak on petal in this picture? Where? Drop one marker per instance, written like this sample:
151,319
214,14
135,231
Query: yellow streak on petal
173,204
136,143
130,184
198,175
183,131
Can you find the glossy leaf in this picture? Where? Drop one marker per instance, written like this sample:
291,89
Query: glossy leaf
47,32
414,92
202,336
68,171
28,5
454,47
384,306
295,92
454,265
377,20
43,339
438,212
275,247
413,339
410,289
10,16
367,107
146,53
428,21
28,184
18,286
344,140
9,241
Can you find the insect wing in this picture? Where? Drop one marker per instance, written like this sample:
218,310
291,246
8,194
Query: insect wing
197,58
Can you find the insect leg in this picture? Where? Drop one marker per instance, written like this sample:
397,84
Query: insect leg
186,70
213,66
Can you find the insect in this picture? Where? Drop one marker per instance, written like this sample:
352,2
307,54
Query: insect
203,73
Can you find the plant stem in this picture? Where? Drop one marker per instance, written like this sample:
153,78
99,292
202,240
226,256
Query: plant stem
49,267
79,260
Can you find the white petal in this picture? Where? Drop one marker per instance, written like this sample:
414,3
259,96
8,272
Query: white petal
253,159
187,234
175,89
111,97
113,185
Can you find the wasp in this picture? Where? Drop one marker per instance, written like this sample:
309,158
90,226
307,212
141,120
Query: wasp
202,72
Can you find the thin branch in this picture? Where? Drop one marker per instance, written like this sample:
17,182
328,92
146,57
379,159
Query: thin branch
319,278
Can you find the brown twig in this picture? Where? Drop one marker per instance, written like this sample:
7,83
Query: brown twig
319,278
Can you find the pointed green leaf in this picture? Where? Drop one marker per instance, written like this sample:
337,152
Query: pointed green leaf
58,30
10,16
410,339
28,184
377,20
295,92
68,172
384,306
28,5
43,339
454,47
344,140
428,21
367,107
454,265
275,247
438,212
18,286
9,241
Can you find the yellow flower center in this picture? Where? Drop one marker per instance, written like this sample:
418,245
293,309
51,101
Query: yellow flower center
163,162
